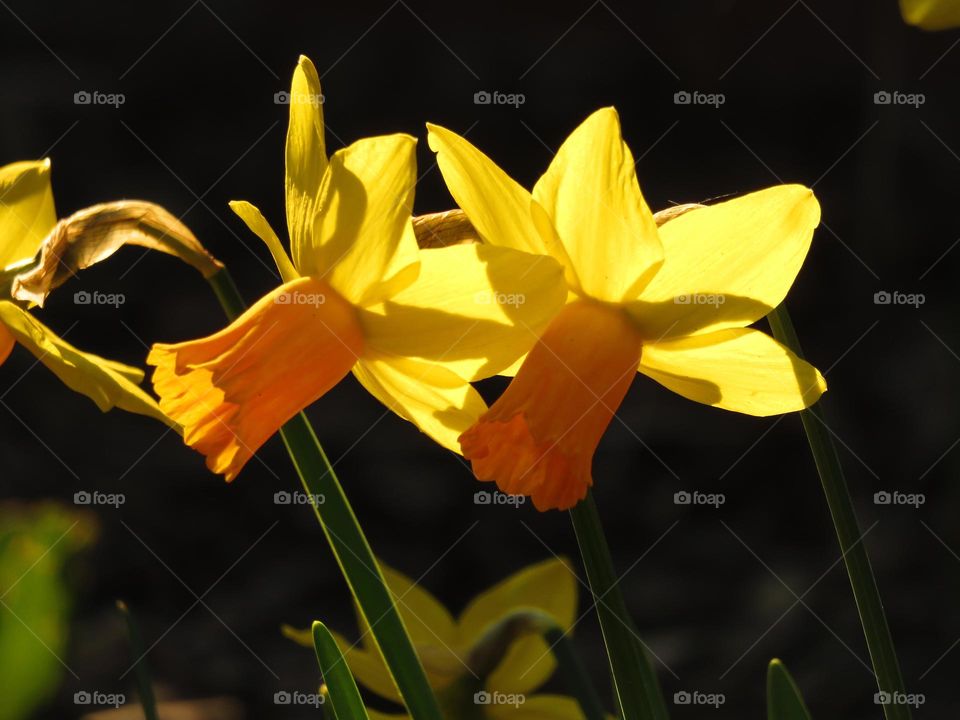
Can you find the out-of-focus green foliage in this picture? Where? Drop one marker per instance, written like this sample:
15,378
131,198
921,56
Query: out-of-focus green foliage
36,541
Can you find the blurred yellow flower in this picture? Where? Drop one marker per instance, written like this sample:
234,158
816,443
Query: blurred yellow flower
447,646
358,295
673,302
931,14
27,215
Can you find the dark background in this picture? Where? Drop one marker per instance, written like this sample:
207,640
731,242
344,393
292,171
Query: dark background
716,596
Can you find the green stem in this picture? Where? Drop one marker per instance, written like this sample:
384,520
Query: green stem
635,683
349,544
147,698
864,584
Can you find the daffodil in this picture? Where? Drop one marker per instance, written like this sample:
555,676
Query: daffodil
673,302
357,295
931,14
27,216
483,660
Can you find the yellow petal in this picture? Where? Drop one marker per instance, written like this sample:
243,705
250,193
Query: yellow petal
7,341
261,228
306,160
474,308
931,14
498,207
436,400
591,192
729,264
738,369
549,586
26,210
102,381
364,243
538,707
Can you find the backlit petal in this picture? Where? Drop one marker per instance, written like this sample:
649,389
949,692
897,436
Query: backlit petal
729,264
7,341
931,14
26,209
261,228
549,586
498,207
363,238
436,400
591,192
738,369
107,383
234,389
474,308
306,160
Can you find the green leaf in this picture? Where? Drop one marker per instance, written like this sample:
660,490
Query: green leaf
35,544
344,696
147,699
784,701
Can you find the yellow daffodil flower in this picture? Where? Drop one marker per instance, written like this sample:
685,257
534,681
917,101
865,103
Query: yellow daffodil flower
450,648
357,295
27,215
931,14
673,302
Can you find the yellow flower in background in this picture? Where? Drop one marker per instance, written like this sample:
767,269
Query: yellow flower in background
931,14
357,295
27,215
673,302
447,646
